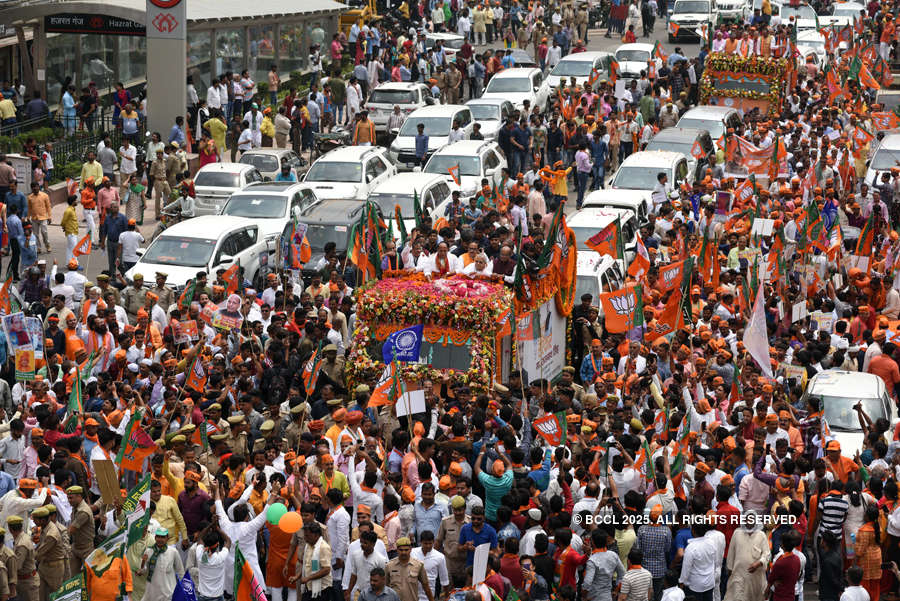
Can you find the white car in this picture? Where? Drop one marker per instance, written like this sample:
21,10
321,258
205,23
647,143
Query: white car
518,85
852,10
215,182
477,160
714,119
590,220
839,391
349,172
450,42
811,43
580,66
438,121
886,156
802,16
731,10
639,171
270,204
490,114
633,58
205,244
402,189
596,273
409,96
690,16
636,201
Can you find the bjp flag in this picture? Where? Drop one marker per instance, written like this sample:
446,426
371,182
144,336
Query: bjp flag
620,308
83,247
606,241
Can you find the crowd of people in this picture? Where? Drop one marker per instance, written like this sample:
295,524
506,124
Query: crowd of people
688,466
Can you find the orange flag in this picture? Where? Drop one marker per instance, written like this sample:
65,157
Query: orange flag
83,247
231,277
619,308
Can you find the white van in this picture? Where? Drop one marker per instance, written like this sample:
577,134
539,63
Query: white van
590,220
409,96
636,201
595,274
580,66
839,392
438,121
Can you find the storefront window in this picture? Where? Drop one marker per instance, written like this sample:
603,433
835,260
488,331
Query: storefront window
61,64
198,66
229,50
98,61
262,52
293,50
132,60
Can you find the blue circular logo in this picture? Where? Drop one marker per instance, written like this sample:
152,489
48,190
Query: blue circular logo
406,341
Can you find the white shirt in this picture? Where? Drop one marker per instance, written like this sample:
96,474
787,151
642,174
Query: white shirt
130,241
628,479
435,567
456,135
76,281
699,565
128,166
855,593
243,534
338,525
361,564
672,594
640,364
429,266
211,572
214,102
586,504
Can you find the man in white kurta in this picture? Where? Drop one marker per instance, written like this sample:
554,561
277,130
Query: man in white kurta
22,502
163,566
748,558
242,532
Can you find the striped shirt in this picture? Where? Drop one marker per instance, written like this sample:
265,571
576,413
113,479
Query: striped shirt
833,511
636,583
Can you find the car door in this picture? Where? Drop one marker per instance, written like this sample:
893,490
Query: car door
681,173
250,255
371,173
492,162
381,170
465,121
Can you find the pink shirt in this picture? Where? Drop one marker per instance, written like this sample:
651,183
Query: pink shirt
336,50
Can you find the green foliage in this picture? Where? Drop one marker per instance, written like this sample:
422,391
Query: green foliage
61,172
12,144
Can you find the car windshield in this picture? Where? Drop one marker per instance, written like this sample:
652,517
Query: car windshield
853,13
885,158
262,162
392,97
572,68
254,206
814,45
452,43
217,179
388,201
798,12
582,234
509,84
682,147
440,163
485,112
840,415
714,127
434,126
587,284
691,6
319,235
636,178
333,171
639,56
180,251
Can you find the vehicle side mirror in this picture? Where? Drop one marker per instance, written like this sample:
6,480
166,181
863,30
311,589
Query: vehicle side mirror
267,179
491,171
140,252
369,178
396,130
536,88
429,100
225,260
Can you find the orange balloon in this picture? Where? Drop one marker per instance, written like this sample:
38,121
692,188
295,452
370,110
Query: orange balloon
290,522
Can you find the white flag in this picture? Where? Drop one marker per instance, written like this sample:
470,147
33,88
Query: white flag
756,339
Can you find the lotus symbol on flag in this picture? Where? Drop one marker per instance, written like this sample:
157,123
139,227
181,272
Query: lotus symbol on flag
624,304
669,275
549,429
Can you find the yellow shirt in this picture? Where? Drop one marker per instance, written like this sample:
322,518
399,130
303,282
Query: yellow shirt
169,516
267,128
7,109
70,221
217,131
92,169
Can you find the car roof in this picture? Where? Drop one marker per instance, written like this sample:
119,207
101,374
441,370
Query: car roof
272,151
598,217
836,382
891,141
399,85
519,53
441,35
708,111
226,167
493,100
273,187
679,134
349,153
406,181
201,227
637,46
652,158
465,147
617,195
437,110
515,72
810,35
332,211
586,56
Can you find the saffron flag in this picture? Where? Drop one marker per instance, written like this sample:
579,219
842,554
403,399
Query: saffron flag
196,377
756,337
613,70
231,278
670,276
670,319
311,370
83,247
454,173
885,120
136,445
552,427
606,241
5,304
641,262
187,295
866,237
246,586
381,394
619,309
867,79
697,150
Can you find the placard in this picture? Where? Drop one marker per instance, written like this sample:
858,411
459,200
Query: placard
820,320
24,364
838,281
860,262
412,401
16,332
762,227
107,480
798,372
36,333
798,311
479,567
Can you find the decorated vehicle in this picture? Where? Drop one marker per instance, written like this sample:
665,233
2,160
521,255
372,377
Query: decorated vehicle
755,82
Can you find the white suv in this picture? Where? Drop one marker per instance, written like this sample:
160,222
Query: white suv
349,172
438,121
518,85
409,96
477,159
